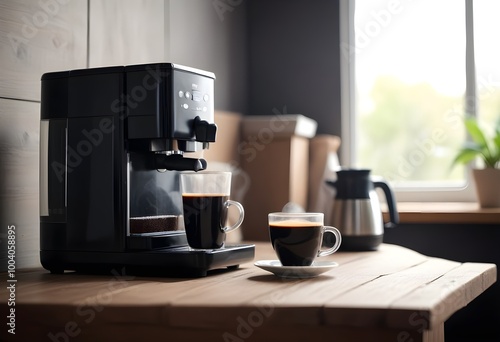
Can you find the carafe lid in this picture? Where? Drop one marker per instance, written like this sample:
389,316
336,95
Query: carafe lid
353,184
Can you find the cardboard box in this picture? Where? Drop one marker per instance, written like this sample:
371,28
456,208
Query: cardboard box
224,149
323,163
276,161
283,125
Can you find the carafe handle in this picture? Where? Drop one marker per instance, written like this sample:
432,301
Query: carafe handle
391,203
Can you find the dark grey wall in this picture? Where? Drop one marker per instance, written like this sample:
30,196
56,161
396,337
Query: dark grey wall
294,59
212,35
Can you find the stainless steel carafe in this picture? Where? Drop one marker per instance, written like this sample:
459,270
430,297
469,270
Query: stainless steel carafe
356,209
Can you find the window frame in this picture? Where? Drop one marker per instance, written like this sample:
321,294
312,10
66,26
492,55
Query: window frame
426,193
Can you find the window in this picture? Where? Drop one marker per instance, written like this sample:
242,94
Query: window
409,67
487,57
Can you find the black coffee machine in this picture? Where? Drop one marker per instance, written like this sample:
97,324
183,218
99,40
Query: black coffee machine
112,143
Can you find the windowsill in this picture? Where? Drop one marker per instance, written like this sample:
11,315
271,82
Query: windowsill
445,212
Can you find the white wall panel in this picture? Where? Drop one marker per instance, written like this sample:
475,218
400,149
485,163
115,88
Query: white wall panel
37,37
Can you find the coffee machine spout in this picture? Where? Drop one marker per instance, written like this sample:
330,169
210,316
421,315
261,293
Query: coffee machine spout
204,131
176,162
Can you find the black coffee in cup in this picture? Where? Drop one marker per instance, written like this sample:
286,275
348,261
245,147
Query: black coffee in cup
205,197
296,242
204,217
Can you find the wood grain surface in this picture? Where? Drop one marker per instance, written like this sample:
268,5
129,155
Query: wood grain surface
19,135
38,37
445,212
388,294
119,36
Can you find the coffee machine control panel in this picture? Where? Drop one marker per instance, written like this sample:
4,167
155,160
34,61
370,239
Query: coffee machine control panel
196,96
176,103
193,104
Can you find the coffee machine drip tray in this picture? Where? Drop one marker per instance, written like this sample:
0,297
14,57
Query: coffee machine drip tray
156,241
179,261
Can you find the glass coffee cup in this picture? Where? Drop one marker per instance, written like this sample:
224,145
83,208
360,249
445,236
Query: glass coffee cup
205,201
297,237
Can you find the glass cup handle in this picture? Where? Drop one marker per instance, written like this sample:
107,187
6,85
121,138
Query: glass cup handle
240,219
336,246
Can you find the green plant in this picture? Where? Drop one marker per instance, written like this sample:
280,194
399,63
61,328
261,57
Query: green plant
486,148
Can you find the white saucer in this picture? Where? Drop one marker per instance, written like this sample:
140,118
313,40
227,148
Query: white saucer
317,268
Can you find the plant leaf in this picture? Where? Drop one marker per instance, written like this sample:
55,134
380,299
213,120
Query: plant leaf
475,131
495,145
466,155
496,138
471,145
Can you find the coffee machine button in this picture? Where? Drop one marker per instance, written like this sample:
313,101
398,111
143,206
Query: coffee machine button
181,93
196,96
185,106
206,97
188,95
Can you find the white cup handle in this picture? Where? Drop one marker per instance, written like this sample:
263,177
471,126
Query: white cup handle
240,219
336,246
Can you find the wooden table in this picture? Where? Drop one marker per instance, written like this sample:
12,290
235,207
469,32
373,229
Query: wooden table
393,294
